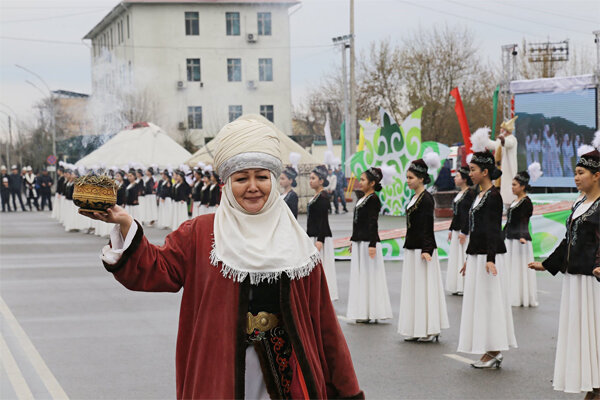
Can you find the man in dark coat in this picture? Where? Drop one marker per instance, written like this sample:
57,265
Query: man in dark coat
15,183
45,181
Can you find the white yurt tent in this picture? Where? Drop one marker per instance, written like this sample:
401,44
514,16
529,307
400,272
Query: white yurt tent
205,154
305,164
142,143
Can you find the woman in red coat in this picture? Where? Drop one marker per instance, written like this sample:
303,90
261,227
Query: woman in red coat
256,319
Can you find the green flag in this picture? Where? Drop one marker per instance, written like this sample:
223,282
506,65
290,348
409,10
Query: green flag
495,110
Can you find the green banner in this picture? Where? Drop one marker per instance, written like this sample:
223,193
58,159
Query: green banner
495,111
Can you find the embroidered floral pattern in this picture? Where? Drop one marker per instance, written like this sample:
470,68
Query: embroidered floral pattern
476,208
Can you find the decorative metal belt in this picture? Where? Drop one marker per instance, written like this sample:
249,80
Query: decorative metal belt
260,323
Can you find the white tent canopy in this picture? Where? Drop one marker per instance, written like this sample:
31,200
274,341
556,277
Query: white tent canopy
206,153
146,145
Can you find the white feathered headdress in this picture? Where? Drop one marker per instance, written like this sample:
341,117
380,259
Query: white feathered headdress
295,160
389,174
480,139
432,159
583,149
596,141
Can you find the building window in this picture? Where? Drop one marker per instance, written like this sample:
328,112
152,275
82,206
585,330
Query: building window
233,23
265,69
234,69
267,112
193,69
234,112
192,24
194,117
128,27
264,24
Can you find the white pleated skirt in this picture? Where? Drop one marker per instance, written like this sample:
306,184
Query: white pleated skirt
328,258
196,209
455,282
55,206
142,209
368,297
423,309
486,322
523,282
102,228
65,210
150,208
165,213
69,212
134,211
180,214
203,209
577,363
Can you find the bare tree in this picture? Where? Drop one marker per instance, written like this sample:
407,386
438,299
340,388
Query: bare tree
420,72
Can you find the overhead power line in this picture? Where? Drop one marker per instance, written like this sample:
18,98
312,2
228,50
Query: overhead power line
513,16
521,6
477,21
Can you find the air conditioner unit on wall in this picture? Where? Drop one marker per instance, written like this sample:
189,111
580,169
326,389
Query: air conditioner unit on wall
251,85
251,37
180,85
181,126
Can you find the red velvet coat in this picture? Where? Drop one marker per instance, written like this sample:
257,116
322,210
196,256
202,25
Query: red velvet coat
210,355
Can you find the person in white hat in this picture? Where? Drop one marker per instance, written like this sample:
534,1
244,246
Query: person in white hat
31,194
256,320
15,183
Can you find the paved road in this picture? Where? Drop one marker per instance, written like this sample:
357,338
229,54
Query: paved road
68,328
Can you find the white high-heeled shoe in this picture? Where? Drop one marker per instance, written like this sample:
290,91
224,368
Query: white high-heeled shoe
493,362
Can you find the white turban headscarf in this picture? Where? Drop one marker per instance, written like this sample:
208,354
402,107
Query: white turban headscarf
270,242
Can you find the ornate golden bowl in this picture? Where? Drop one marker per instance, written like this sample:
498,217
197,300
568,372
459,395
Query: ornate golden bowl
94,197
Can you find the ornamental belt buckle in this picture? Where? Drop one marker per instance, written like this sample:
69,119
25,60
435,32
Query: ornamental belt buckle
259,324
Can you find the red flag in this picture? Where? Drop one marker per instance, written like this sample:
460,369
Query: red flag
462,119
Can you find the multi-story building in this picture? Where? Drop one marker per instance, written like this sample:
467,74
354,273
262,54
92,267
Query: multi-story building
196,65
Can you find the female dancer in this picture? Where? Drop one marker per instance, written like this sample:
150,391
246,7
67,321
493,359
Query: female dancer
139,180
165,203
486,324
205,193
287,181
181,194
132,201
459,231
519,251
368,297
215,193
150,196
423,312
317,226
197,192
577,363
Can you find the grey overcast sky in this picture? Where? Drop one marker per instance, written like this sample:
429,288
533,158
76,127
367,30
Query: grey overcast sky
31,32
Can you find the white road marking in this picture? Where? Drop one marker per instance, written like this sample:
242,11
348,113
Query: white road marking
459,358
14,372
543,292
54,388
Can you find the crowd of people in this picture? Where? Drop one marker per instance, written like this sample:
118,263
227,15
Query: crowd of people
555,153
276,266
162,198
35,188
